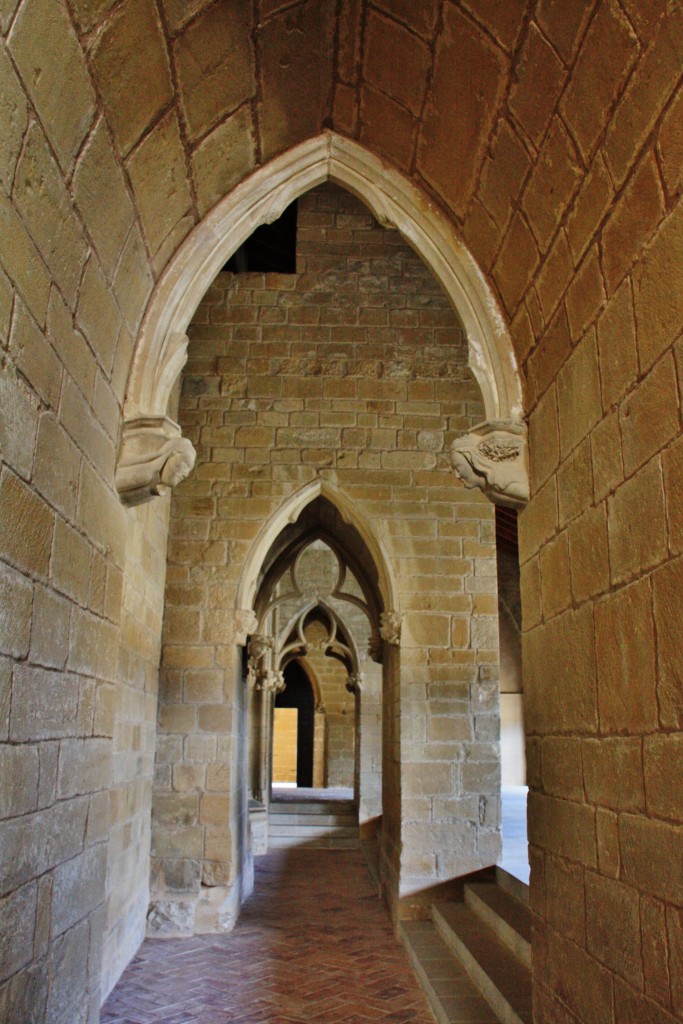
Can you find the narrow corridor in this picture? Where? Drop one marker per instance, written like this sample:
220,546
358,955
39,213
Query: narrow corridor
313,944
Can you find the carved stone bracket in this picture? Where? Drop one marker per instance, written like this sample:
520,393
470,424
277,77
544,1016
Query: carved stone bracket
354,683
246,622
493,457
153,458
390,627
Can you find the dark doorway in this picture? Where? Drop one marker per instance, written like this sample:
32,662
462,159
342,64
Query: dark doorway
298,694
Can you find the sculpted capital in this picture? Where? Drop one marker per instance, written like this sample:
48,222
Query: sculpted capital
493,457
390,627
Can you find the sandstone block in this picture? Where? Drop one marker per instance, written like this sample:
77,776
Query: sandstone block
16,598
389,49
563,827
130,64
649,416
562,649
14,113
607,53
565,898
27,526
589,554
617,346
636,523
607,833
539,79
71,560
32,844
662,759
578,394
102,198
555,577
646,843
171,917
654,950
214,62
554,174
133,282
562,773
44,704
78,886
658,299
670,146
49,629
605,442
632,223
468,66
613,773
89,13
18,780
163,198
590,206
672,466
586,295
517,262
35,357
626,660
45,206
503,173
18,912
613,926
53,68
666,586
84,766
57,466
18,250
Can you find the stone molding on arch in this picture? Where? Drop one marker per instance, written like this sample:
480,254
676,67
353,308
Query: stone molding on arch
161,347
288,513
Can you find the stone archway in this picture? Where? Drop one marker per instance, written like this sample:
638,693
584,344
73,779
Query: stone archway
150,438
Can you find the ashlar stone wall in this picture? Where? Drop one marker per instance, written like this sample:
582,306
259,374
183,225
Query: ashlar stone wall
353,370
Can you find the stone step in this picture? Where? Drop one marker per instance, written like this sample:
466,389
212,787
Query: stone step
313,807
501,977
325,842
515,886
505,915
452,995
335,820
313,831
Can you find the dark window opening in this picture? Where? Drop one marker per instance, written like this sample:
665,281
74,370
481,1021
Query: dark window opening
270,249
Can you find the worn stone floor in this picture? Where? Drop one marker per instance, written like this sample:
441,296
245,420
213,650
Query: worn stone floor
313,945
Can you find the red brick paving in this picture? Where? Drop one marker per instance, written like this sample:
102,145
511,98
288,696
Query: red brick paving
313,945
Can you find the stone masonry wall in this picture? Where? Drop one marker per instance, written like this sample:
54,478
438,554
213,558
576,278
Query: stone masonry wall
352,370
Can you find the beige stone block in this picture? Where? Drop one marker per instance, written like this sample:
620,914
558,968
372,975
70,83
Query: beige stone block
35,357
188,777
670,146
645,845
530,574
425,630
636,523
179,12
16,598
18,911
517,262
555,578
130,65
617,346
565,901
575,483
57,466
589,554
187,656
613,773
667,583
14,115
71,558
672,466
214,61
293,70
89,13
49,629
608,470
18,251
657,295
589,207
163,198
625,649
562,773
26,526
649,415
74,352
544,447
553,179
662,758
218,844
390,48
175,809
102,199
106,703
578,394
214,809
19,769
53,68
133,282
84,766
563,827
427,780
45,704
613,926
632,222
92,645
564,649
218,777
465,65
203,685
100,508
177,841
654,950
45,206
538,520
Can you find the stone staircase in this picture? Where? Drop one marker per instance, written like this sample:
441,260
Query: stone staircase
473,959
315,824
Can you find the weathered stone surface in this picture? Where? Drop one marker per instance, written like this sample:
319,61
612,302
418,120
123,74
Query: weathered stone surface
670,146
539,79
18,251
158,175
34,356
14,115
16,597
130,64
636,523
224,158
613,926
617,346
18,912
133,282
578,394
171,917
666,586
468,67
45,704
57,465
69,972
102,199
555,175
389,50
49,629
78,887
89,13
214,62
644,844
632,222
30,845
45,206
51,63
27,524
626,660
658,299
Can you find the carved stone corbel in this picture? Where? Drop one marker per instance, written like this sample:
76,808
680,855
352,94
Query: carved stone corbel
354,683
245,623
390,627
493,457
153,458
260,650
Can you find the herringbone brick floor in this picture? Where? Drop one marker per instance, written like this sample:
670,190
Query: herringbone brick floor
313,945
